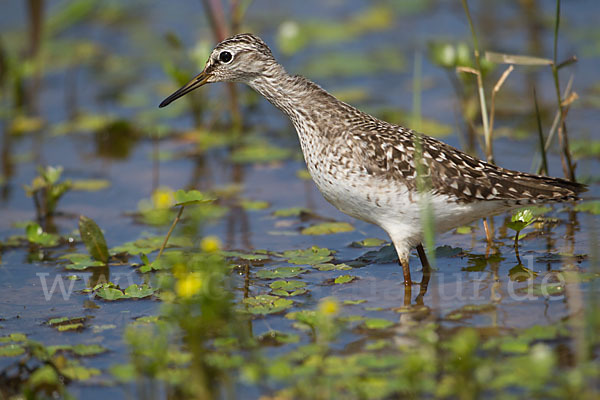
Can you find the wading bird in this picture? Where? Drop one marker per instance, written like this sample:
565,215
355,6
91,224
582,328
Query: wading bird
373,170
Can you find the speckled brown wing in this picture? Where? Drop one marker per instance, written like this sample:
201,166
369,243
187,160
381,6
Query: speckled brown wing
395,153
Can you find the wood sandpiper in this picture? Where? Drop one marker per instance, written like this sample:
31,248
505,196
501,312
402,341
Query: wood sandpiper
371,169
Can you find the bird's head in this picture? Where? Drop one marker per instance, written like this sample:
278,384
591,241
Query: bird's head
240,58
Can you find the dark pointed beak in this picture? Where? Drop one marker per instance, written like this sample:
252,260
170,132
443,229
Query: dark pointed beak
200,80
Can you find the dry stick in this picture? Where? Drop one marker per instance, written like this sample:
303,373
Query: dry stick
494,92
469,70
565,155
540,133
484,115
177,218
567,94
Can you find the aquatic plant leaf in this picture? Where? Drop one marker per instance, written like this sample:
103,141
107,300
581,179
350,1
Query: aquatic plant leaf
44,376
90,185
35,234
93,238
123,372
149,244
288,288
291,212
368,242
592,207
75,371
308,317
332,267
327,228
521,219
464,230
13,337
280,272
267,304
258,255
378,323
188,197
69,327
344,279
275,338
139,291
11,350
312,256
353,302
253,205
110,293
88,349
287,285
65,320
80,261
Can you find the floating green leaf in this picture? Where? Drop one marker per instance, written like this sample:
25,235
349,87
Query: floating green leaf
291,212
80,261
90,185
353,302
464,230
275,338
368,242
110,293
13,337
344,279
327,228
11,350
267,304
258,255
188,197
332,267
35,234
253,205
69,327
138,291
75,371
592,207
280,272
378,323
312,256
288,288
93,238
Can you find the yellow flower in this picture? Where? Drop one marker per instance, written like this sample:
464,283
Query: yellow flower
162,197
329,306
210,244
189,285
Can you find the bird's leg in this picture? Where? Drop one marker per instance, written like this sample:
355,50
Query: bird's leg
423,258
406,271
407,294
426,274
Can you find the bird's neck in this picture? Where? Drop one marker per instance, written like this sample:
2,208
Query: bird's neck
303,101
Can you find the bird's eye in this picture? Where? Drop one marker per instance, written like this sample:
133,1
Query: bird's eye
225,57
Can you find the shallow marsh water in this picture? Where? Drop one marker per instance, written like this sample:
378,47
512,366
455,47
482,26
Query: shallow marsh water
472,286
